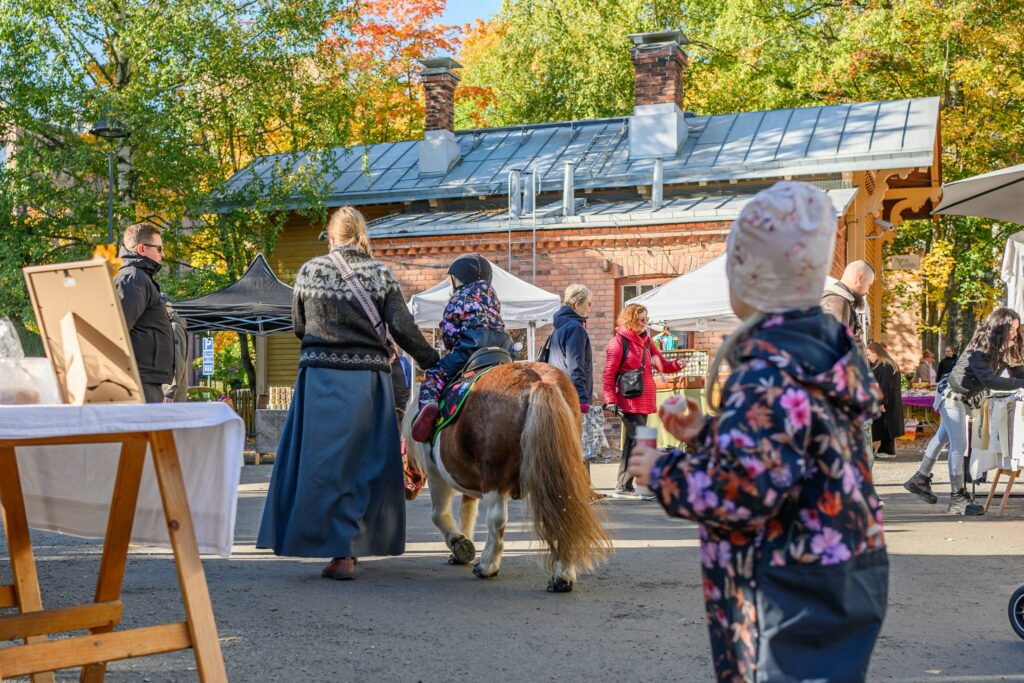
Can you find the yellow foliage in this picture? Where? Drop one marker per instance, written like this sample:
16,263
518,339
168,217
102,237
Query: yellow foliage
108,252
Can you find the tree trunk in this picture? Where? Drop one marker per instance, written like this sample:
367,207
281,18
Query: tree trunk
247,364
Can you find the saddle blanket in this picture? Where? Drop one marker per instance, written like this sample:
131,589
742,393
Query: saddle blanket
452,398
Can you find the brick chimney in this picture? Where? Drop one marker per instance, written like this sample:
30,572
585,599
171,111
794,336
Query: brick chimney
439,148
657,127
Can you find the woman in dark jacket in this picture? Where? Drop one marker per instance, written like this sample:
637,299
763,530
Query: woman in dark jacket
792,549
631,349
569,346
889,426
995,347
337,488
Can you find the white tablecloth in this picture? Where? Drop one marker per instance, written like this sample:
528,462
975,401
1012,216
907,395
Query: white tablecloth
68,488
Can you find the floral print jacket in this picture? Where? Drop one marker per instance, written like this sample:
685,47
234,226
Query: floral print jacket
473,306
780,476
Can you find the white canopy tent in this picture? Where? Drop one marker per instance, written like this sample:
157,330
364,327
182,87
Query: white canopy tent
695,302
523,306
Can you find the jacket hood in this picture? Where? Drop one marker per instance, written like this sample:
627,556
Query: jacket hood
134,260
566,315
842,290
819,352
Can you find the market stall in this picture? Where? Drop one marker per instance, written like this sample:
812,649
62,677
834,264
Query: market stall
997,195
259,303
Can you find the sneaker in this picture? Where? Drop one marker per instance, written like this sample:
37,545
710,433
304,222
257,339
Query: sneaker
885,456
958,503
423,427
627,494
644,493
921,486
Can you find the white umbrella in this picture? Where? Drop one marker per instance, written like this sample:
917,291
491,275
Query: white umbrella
998,195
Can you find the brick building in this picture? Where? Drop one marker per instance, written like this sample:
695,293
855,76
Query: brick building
620,204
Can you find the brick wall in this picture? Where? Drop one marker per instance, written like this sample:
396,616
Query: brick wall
658,74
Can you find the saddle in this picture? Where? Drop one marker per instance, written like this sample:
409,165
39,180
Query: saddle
487,357
455,393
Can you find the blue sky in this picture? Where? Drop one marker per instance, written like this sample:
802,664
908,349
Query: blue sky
463,11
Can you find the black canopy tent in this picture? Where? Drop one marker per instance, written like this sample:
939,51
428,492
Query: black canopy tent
258,303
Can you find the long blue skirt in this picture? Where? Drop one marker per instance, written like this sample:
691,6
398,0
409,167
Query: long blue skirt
336,489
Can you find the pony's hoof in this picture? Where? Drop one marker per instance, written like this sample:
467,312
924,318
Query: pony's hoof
463,552
557,585
479,572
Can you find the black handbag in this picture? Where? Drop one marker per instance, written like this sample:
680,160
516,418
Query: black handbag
630,383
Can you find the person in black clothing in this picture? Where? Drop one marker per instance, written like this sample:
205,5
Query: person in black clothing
570,349
885,429
148,325
994,348
946,364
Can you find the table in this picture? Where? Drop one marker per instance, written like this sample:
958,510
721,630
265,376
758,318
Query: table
919,400
55,462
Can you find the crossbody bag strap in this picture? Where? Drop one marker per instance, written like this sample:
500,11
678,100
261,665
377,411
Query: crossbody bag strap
362,297
625,353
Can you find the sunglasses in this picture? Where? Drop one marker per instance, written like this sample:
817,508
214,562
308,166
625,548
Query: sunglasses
158,247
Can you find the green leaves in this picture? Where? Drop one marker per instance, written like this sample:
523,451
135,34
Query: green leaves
203,87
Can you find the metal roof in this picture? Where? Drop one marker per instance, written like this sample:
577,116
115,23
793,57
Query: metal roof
619,214
762,144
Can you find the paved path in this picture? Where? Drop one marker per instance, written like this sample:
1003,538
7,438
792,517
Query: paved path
639,618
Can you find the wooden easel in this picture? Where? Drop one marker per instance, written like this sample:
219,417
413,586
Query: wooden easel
38,656
1013,474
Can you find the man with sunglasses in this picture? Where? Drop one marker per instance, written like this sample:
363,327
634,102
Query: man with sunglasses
149,327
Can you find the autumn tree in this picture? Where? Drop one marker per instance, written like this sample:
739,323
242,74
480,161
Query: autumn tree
203,87
380,42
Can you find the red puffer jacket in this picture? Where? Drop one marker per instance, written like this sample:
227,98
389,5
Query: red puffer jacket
613,366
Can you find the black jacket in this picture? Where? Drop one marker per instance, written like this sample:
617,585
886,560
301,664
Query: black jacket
973,374
570,351
946,366
144,312
888,379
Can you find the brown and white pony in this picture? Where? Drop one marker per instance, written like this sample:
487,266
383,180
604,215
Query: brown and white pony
518,437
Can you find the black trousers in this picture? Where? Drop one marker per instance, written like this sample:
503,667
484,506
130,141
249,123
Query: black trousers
630,421
154,393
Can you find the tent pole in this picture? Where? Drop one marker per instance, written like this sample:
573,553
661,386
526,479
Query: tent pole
531,341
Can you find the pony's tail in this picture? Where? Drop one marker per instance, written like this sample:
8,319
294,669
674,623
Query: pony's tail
554,482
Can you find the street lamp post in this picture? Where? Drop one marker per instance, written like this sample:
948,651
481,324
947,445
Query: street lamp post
109,129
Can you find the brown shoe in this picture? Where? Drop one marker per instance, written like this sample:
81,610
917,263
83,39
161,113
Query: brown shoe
340,569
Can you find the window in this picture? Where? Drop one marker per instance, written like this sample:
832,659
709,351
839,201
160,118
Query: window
630,291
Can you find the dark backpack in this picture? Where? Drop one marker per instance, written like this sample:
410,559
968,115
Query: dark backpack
545,351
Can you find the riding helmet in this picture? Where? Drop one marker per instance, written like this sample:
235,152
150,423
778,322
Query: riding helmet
470,268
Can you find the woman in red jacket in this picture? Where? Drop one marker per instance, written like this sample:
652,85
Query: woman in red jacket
630,349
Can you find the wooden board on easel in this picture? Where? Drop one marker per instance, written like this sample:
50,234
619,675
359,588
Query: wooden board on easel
84,332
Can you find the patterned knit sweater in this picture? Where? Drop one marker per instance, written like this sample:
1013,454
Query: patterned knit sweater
334,329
